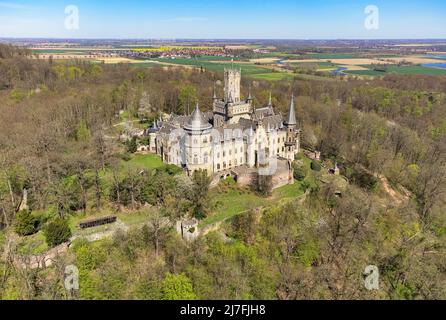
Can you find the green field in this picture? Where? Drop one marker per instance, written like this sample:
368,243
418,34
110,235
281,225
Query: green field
59,51
320,65
333,55
144,65
273,76
404,70
214,58
247,69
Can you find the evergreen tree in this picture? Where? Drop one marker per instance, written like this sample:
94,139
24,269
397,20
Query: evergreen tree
25,223
57,232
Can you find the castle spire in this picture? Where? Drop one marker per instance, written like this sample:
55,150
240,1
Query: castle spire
270,102
291,119
249,95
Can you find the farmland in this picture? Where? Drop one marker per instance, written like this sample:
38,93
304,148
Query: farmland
256,61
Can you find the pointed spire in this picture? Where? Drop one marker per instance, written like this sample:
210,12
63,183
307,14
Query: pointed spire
197,121
291,119
155,126
270,101
249,95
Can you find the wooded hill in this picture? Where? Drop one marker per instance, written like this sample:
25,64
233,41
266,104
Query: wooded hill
58,141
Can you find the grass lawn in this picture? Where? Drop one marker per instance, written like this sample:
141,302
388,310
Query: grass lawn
34,244
234,201
231,203
140,161
137,162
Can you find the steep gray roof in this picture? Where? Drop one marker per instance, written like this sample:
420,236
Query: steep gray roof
291,118
154,128
197,121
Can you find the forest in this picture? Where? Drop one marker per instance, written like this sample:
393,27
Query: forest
59,145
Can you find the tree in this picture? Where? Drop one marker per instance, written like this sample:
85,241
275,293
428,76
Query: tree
187,98
177,287
25,223
265,185
245,226
132,145
200,192
57,232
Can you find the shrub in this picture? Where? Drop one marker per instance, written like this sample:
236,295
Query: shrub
172,170
125,157
177,287
57,232
25,223
299,174
315,166
145,141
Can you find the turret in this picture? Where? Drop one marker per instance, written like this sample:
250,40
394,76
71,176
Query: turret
291,118
292,143
197,146
270,101
249,100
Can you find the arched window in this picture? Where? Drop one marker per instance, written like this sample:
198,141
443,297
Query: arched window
218,166
206,156
195,159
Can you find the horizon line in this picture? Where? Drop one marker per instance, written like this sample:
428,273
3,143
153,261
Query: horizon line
219,39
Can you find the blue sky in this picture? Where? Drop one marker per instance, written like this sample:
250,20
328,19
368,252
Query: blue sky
224,19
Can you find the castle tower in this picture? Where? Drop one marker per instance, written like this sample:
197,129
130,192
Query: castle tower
198,144
292,144
232,85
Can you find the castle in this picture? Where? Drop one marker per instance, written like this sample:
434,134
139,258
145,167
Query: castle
235,139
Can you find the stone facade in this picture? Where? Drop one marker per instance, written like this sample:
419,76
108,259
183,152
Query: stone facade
234,135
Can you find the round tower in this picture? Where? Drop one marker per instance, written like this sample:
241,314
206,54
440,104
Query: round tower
198,143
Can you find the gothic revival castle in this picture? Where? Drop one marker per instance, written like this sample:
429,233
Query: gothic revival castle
235,137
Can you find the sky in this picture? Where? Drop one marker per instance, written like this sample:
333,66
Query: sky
224,19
